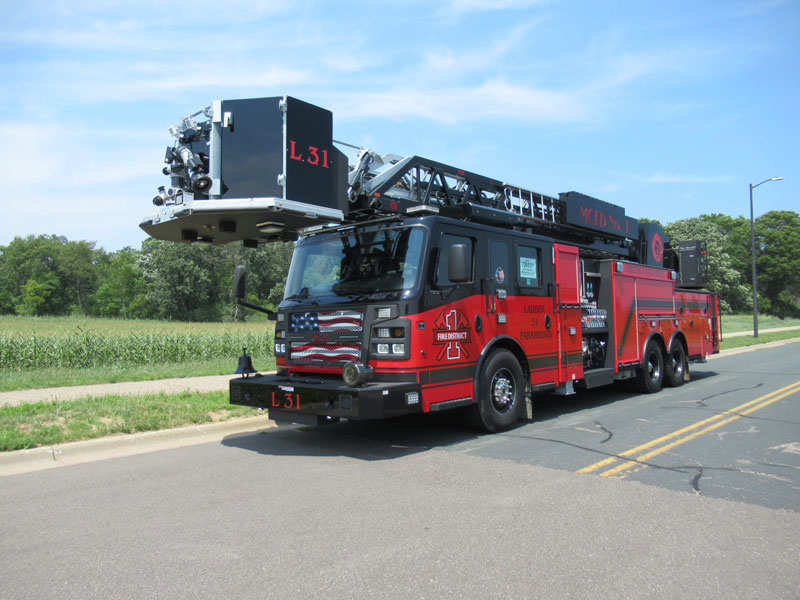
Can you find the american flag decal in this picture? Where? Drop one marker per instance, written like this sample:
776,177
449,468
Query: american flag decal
326,321
326,351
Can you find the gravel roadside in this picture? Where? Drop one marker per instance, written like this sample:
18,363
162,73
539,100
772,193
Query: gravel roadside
725,336
213,383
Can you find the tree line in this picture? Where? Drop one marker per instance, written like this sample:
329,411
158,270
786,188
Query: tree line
729,259
51,275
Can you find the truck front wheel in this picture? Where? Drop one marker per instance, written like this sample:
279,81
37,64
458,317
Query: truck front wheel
501,394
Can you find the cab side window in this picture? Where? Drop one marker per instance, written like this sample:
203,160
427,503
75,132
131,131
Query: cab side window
529,269
449,240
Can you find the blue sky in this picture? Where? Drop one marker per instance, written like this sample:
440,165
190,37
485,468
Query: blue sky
669,109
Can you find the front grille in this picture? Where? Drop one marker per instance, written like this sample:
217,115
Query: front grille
329,351
323,330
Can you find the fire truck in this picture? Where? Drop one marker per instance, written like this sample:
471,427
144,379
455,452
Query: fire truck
417,287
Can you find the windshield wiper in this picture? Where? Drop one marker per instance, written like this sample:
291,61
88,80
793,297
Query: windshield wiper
303,294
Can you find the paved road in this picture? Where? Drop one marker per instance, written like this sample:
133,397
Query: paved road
423,508
733,432
293,514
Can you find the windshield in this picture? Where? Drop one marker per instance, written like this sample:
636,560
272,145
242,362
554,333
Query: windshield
384,263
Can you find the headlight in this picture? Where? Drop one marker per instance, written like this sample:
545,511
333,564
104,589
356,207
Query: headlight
389,341
391,349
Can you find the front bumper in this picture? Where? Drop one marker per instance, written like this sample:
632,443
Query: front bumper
303,399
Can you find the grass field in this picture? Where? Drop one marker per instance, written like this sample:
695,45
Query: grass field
744,322
66,326
56,351
45,423
40,352
763,338
57,377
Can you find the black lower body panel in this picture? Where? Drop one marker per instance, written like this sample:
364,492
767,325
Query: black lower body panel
301,397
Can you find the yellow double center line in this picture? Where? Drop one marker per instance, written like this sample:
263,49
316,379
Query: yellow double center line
626,460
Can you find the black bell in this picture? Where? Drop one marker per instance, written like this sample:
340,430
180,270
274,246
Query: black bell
245,364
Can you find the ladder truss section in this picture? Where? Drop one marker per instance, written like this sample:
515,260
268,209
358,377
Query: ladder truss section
418,182
414,184
532,204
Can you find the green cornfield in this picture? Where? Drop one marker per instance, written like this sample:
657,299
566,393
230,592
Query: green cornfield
78,348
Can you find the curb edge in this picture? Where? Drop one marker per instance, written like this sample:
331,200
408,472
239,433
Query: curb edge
115,446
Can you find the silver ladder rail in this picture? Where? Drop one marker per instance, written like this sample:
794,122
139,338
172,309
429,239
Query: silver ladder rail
531,204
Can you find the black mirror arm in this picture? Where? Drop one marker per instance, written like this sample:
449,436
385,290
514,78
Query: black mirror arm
271,314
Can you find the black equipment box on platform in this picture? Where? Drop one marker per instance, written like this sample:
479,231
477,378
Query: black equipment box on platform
692,257
273,167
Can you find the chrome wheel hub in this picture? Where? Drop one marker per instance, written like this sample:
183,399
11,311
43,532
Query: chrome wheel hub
502,390
653,367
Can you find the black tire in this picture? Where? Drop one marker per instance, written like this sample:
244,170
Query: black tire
651,374
675,365
501,394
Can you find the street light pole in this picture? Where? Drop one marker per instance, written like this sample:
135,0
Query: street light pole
753,253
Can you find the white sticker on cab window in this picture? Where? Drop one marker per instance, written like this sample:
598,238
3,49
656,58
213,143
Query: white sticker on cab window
528,268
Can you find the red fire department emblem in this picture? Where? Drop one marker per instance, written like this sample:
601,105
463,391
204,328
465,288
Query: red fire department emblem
451,331
658,248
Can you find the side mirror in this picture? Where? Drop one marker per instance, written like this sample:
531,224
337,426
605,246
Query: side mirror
238,293
458,264
239,282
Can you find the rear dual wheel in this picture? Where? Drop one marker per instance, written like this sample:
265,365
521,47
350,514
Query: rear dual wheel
650,376
675,366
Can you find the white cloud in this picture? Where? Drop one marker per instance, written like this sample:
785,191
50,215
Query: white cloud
122,81
26,153
441,59
92,184
495,98
752,8
351,54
